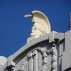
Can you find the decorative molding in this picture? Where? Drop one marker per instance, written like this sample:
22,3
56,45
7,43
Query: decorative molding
33,53
23,65
54,57
45,54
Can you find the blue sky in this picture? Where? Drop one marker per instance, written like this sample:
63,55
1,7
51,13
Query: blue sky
15,29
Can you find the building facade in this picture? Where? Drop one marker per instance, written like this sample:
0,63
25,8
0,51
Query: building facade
50,52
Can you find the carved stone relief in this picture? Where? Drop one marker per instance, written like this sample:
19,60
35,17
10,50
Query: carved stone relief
38,59
24,65
45,57
54,57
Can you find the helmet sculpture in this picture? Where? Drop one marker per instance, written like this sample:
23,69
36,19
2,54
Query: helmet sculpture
41,25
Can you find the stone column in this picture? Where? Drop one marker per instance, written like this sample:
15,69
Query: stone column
35,60
30,61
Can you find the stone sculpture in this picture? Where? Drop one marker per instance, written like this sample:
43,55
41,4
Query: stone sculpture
2,60
41,24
